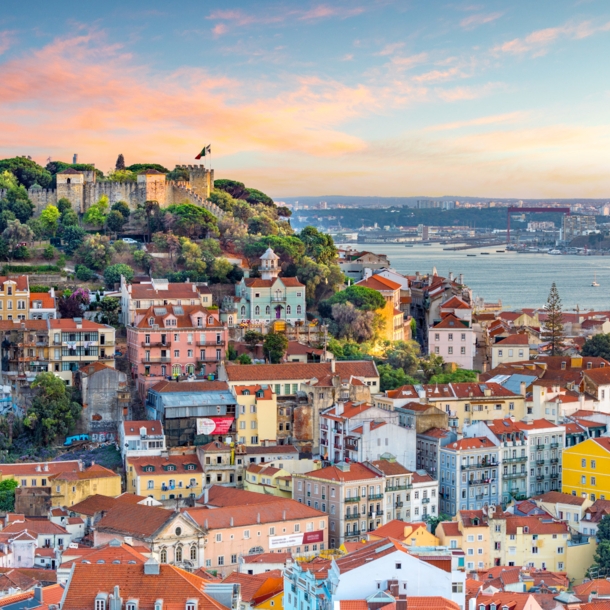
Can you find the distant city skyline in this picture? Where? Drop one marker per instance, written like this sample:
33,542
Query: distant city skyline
377,98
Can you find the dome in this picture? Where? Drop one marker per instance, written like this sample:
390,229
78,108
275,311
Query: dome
269,255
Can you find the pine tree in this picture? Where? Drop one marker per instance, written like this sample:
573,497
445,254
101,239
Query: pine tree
552,329
120,162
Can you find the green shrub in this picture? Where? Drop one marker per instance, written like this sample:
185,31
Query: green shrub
49,253
84,274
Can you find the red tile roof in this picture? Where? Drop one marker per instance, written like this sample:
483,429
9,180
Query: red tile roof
21,282
353,472
173,585
603,442
136,520
298,370
599,376
183,314
132,427
40,469
520,339
253,389
476,442
165,387
34,526
390,468
183,464
379,283
174,291
455,303
537,525
70,324
600,585
397,529
451,528
452,323
289,282
47,301
107,553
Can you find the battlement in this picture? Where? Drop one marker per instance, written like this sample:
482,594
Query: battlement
38,192
193,167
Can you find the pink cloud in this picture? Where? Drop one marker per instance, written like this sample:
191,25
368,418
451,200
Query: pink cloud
537,42
509,117
391,48
474,21
6,40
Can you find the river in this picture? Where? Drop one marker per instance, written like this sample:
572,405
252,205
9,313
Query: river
519,280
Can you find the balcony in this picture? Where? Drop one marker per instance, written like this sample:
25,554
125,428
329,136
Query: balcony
323,441
479,465
554,475
375,496
539,447
399,504
208,359
278,298
555,445
514,460
425,500
210,343
540,477
399,487
514,475
353,499
352,517
155,360
479,496
156,344
554,460
106,357
540,462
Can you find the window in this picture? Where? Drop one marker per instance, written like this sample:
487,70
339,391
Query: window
178,553
233,558
457,587
593,464
450,350
100,603
583,463
221,560
257,311
592,480
398,566
163,556
194,553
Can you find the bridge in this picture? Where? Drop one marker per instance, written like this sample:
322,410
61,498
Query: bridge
510,211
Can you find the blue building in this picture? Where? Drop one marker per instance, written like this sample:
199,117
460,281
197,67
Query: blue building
469,470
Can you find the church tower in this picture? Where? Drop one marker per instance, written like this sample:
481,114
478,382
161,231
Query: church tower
269,265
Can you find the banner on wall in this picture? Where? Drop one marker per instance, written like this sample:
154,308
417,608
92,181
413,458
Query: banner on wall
277,542
214,425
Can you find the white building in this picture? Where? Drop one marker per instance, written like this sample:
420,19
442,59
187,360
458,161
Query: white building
141,438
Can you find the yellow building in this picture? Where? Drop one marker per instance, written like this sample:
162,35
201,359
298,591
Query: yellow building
274,602
256,413
165,478
412,534
268,480
469,532
69,488
586,469
14,298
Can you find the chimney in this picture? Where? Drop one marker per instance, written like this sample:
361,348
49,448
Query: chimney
461,279
401,602
332,365
38,594
231,521
258,518
206,495
393,587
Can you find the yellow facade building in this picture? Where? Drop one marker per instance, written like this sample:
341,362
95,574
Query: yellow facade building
412,534
256,414
69,488
165,478
14,298
586,469
265,479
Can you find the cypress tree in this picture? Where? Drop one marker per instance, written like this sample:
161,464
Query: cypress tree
552,329
120,162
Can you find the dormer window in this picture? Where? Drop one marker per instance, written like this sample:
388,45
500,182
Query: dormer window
189,466
199,321
191,604
100,601
169,467
151,321
159,604
148,468
246,393
210,320
132,604
492,606
526,530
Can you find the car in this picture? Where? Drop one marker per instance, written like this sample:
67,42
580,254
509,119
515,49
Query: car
129,240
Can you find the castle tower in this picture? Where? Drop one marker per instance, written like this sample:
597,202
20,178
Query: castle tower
71,185
201,180
269,265
152,186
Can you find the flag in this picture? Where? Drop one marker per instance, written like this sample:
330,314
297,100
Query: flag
207,150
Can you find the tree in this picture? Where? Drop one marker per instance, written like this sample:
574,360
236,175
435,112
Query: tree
601,565
49,253
97,212
112,274
552,327
49,219
351,323
193,221
27,172
121,175
110,310
7,495
120,162
69,307
233,187
275,346
69,219
431,365
253,197
140,167
53,412
262,225
319,246
84,274
365,299
597,346
243,359
115,221
63,205
16,234
433,521
72,238
95,252
122,207
391,378
459,376
252,338
404,355
220,270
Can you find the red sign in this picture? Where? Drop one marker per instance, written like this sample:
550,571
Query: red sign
313,537
214,425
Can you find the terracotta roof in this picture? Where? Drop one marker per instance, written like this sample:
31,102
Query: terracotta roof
416,477
96,471
132,427
165,387
289,282
363,556
70,170
255,588
598,510
379,283
173,585
390,468
29,469
297,370
93,505
455,303
90,368
184,316
520,339
271,450
219,497
134,519
34,526
299,349
253,389
174,291
354,472
397,529
452,323
183,464
536,525
150,172
282,509
603,442
436,433
108,553
433,603
70,324
47,301
267,558
476,442
451,528
599,376
512,601
600,585
468,518
350,409
535,424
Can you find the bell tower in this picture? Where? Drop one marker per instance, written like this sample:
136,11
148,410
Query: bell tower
269,265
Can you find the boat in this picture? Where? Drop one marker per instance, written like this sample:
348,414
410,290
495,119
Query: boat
408,245
471,255
499,250
594,282
554,252
484,253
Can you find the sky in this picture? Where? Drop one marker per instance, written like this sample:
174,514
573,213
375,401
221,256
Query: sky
379,97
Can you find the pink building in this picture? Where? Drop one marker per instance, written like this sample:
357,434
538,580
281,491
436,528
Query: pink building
453,337
175,340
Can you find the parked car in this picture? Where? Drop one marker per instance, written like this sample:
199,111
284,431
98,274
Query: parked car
129,240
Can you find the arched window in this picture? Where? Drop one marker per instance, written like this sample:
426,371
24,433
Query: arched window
243,310
163,555
230,320
176,369
299,309
288,310
256,550
178,553
190,369
257,311
194,553
268,310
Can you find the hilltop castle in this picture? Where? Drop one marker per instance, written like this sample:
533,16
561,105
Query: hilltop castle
82,189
